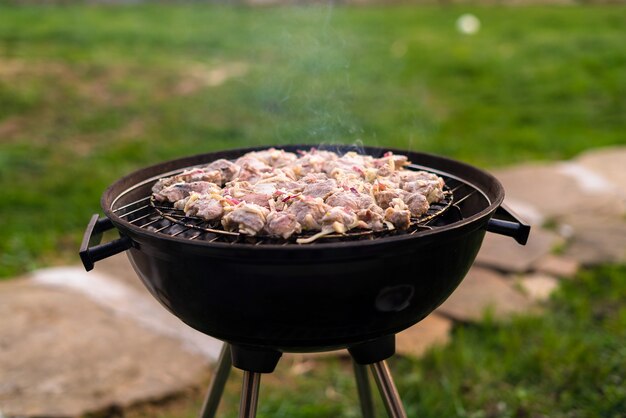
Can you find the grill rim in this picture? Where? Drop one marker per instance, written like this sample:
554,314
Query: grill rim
462,169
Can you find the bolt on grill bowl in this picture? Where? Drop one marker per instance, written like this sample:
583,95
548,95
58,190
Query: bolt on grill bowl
277,294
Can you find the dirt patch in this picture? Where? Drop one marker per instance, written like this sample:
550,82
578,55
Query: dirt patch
56,79
198,76
13,67
10,127
110,86
68,103
133,129
84,145
101,92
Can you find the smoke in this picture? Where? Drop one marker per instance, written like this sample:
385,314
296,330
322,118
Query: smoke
357,146
309,94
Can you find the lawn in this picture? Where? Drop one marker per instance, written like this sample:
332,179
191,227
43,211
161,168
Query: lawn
568,363
89,93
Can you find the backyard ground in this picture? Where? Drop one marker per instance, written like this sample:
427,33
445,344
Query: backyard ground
89,93
568,363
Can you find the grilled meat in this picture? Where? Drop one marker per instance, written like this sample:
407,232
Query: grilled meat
398,214
371,218
282,224
350,199
312,161
258,199
416,203
339,220
279,193
321,189
208,207
179,191
190,176
309,211
252,169
273,157
384,197
247,218
228,169
428,189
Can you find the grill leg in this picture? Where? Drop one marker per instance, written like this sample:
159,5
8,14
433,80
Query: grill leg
388,390
212,401
249,394
364,390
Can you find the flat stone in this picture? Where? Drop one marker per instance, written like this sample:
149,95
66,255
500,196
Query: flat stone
505,254
538,287
556,265
118,267
481,291
434,330
134,303
557,189
596,239
64,355
525,211
609,163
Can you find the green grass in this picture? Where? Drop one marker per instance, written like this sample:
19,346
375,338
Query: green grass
567,363
89,93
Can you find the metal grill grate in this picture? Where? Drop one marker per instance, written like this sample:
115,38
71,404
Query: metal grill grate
163,219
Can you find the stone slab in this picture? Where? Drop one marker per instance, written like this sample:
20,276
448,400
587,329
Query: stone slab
610,163
136,304
118,267
483,290
117,272
557,189
434,330
505,254
538,287
64,355
556,265
596,239
525,211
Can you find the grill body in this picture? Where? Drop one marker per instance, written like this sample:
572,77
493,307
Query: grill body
310,297
299,301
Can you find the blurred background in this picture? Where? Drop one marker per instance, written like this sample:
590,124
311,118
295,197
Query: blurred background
90,91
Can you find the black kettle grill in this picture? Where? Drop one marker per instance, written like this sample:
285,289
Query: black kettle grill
264,296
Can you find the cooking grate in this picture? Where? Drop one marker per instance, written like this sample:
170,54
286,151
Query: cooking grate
153,216
167,211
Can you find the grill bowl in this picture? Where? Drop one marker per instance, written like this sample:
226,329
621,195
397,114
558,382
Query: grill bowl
313,297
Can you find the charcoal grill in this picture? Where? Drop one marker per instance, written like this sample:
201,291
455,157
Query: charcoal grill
264,296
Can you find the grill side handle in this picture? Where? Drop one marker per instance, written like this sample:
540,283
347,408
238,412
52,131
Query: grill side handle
506,222
91,250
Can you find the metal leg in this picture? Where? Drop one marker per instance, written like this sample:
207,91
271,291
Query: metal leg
212,401
388,390
249,394
364,390
252,382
